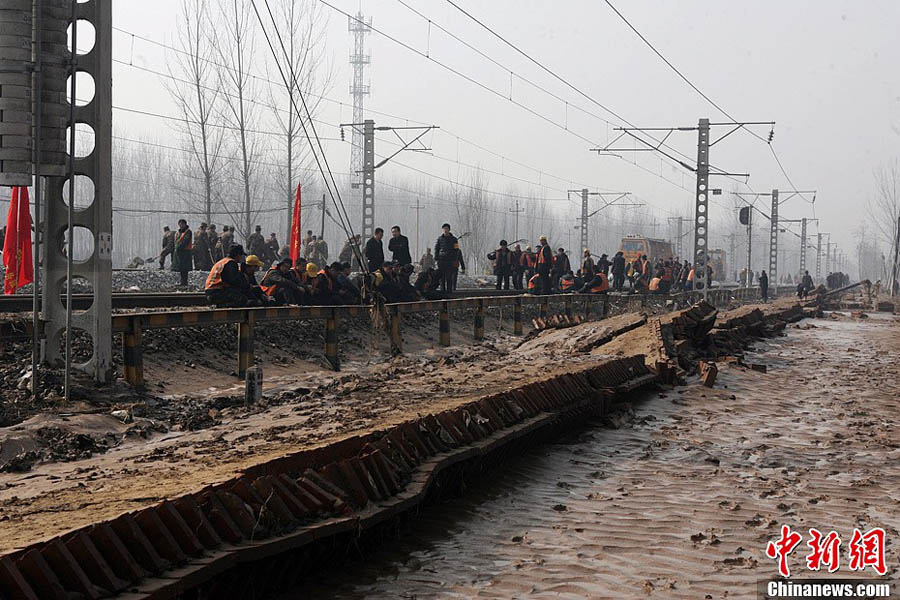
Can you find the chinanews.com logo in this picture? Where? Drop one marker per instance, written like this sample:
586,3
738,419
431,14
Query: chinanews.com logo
864,555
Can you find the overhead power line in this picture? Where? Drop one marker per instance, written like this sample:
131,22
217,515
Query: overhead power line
697,89
502,157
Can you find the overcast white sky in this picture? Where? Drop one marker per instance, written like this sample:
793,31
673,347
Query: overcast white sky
824,70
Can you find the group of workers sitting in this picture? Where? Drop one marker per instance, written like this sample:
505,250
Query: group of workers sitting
232,283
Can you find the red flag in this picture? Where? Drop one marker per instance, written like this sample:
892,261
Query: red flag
295,229
17,244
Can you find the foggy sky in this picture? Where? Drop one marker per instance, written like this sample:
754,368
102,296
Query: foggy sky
825,71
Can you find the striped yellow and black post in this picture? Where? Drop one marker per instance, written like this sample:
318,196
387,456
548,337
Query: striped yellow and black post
479,321
245,343
396,338
445,324
331,340
132,349
517,317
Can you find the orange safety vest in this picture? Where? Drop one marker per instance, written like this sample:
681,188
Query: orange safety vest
654,284
530,260
691,275
268,289
540,256
532,283
327,278
566,284
181,235
604,284
214,279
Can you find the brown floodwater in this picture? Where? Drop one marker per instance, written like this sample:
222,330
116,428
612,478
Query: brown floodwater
680,500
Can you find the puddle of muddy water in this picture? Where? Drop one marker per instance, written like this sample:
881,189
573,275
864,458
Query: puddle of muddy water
678,503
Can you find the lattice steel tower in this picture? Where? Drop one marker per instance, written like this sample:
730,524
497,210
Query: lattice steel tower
359,89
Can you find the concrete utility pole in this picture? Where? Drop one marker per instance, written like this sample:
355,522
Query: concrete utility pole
749,280
803,245
732,259
584,220
368,129
773,244
368,197
34,144
701,210
516,211
680,240
819,256
418,207
828,257
700,257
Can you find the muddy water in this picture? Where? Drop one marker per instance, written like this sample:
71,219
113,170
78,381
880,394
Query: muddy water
680,501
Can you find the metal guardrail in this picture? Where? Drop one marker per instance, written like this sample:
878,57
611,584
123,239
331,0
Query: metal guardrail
132,326
128,300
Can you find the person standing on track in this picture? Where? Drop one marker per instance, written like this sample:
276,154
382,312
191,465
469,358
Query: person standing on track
517,269
449,258
561,266
227,240
502,258
764,286
375,250
618,271
256,243
544,263
587,266
182,257
168,246
201,249
399,247
214,248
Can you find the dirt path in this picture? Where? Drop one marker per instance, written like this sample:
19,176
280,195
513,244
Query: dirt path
681,501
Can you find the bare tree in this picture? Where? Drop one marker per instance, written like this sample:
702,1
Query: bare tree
304,61
234,46
884,209
192,86
473,212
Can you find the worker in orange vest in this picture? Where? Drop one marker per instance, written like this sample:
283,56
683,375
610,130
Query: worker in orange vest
598,284
544,264
278,283
226,286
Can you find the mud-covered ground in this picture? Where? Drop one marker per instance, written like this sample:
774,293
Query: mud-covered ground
680,500
114,466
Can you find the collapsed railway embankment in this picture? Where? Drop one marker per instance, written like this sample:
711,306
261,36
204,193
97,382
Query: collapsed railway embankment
229,535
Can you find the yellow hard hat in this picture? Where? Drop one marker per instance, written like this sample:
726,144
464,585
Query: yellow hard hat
311,269
543,238
253,261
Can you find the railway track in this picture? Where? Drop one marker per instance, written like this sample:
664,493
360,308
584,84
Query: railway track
126,300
